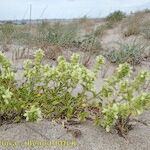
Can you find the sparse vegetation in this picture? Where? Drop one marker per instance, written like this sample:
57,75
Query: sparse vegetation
100,31
146,29
59,34
48,35
7,31
133,24
131,53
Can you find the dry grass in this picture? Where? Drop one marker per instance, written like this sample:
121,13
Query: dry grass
7,31
5,47
100,31
146,29
22,53
52,52
132,24
116,16
85,35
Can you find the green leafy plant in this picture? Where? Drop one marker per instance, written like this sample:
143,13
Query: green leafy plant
47,88
131,53
116,16
122,98
48,92
34,114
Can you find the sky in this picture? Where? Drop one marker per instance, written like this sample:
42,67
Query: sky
42,9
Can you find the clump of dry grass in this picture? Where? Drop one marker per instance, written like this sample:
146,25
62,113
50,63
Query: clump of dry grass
132,24
23,35
146,29
5,47
56,34
100,31
22,53
52,52
7,31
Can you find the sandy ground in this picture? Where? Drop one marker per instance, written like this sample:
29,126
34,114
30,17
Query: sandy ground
92,138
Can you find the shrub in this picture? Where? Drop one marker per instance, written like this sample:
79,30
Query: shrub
115,16
131,53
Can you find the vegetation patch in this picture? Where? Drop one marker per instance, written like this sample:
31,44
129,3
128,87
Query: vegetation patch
131,53
116,16
100,31
146,29
47,92
133,24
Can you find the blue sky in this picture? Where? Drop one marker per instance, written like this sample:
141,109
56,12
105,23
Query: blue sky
19,9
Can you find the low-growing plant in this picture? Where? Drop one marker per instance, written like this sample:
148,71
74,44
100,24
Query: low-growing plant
90,45
34,114
131,53
45,87
122,97
48,92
